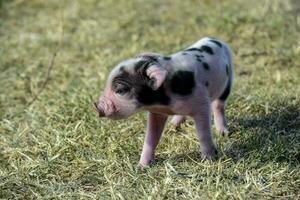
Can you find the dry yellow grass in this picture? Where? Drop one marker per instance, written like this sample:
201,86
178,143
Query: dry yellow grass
56,148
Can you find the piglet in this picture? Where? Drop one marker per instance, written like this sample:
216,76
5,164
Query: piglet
190,83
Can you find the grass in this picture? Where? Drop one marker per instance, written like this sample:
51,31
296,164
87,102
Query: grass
56,147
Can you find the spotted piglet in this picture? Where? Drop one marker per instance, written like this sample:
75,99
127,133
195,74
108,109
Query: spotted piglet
186,83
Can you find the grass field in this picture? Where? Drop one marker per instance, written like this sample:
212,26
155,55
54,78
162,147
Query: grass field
54,59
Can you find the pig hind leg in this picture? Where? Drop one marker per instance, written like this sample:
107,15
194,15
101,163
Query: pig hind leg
218,108
177,120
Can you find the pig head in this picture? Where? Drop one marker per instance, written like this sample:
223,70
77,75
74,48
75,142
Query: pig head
131,85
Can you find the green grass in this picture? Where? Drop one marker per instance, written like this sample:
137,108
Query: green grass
57,148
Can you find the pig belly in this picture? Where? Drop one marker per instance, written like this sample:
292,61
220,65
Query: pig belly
161,110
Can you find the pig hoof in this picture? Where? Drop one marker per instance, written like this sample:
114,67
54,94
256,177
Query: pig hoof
223,131
141,166
209,154
144,164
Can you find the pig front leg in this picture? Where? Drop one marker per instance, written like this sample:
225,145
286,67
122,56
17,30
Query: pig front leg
203,128
155,126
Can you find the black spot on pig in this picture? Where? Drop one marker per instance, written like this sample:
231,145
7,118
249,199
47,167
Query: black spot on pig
167,58
216,42
207,49
226,92
139,86
194,49
198,58
184,53
182,82
205,66
206,83
147,96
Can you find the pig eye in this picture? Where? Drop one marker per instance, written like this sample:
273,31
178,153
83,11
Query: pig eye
122,89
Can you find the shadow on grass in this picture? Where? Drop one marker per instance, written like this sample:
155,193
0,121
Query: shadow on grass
274,137
188,156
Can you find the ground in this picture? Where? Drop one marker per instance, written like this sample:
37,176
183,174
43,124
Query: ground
54,59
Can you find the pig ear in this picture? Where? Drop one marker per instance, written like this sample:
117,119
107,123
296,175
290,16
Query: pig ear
157,74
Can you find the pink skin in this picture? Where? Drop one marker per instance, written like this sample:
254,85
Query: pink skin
105,107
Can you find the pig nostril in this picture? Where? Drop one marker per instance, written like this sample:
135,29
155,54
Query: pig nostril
100,111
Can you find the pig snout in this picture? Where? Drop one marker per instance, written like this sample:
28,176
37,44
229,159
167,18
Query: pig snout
105,107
